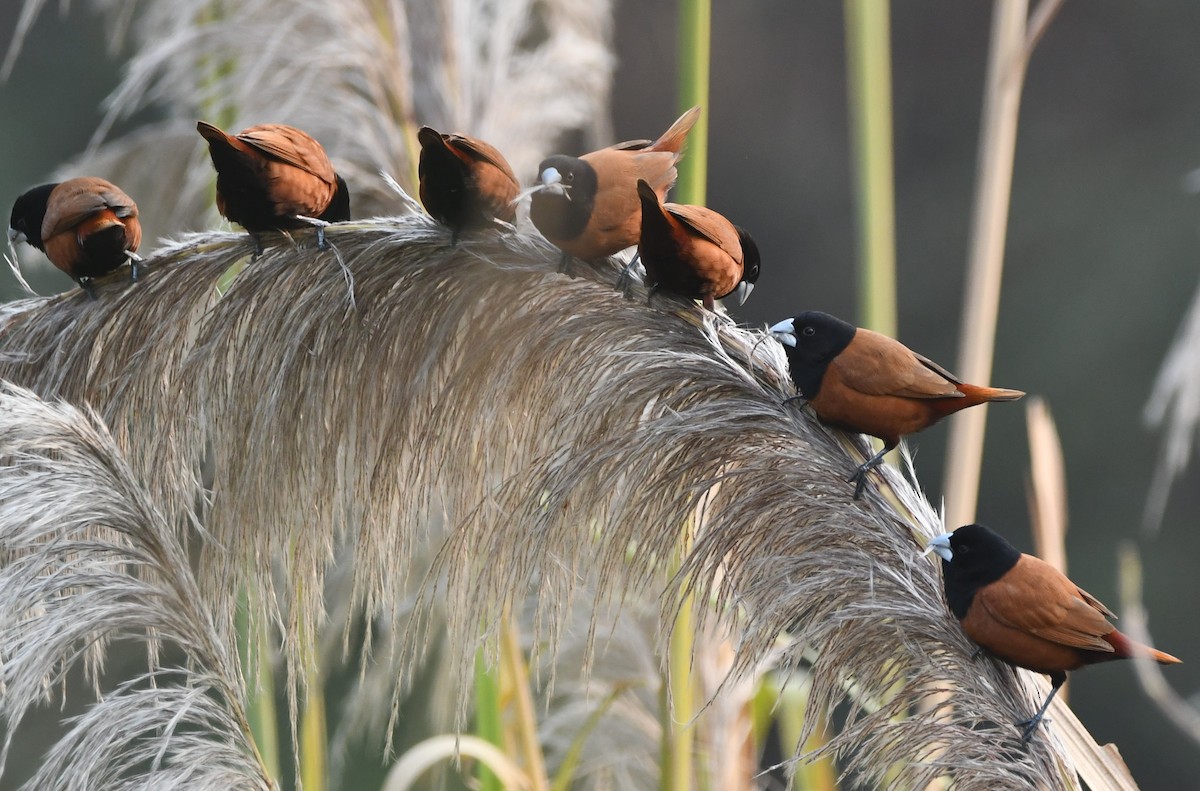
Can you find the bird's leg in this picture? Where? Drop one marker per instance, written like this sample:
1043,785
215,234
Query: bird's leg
134,260
258,247
651,293
625,279
85,283
859,478
709,302
1030,725
320,226
564,264
978,652
797,397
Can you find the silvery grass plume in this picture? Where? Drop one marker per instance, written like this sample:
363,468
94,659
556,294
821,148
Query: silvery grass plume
359,75
1174,407
394,389
89,559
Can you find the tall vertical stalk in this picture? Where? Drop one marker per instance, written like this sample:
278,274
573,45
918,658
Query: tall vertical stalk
488,718
678,694
254,652
695,44
997,147
869,68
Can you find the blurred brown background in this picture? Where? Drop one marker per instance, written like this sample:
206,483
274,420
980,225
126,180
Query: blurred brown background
1100,265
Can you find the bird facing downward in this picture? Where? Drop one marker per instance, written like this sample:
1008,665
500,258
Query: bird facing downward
275,177
465,183
859,380
588,206
1025,612
694,252
87,227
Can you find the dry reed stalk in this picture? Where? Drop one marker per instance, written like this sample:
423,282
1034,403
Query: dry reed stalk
985,263
1046,490
1046,485
395,390
1012,44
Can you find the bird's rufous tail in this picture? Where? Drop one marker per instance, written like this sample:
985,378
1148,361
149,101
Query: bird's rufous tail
674,138
217,135
1127,648
978,395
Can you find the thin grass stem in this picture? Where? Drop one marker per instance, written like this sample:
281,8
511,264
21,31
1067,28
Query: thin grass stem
512,663
488,719
695,46
869,72
254,653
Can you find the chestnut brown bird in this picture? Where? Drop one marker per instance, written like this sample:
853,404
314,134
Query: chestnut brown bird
588,206
87,227
859,380
465,183
1025,612
694,252
275,177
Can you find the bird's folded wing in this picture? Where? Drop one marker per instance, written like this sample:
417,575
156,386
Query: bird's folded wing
1033,597
292,146
482,151
875,364
74,201
711,226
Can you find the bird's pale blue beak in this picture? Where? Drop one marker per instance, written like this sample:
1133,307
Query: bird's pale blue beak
15,236
552,182
785,332
940,545
742,292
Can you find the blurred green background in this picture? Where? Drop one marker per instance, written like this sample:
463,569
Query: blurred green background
1101,259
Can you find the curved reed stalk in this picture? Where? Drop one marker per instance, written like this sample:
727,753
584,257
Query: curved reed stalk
394,390
88,559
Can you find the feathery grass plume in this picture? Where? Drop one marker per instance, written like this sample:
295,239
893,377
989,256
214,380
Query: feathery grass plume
1174,407
358,75
557,430
89,559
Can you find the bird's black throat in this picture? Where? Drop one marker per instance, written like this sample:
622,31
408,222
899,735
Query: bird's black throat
565,216
980,557
819,339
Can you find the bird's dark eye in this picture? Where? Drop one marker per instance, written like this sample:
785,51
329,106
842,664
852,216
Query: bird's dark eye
964,549
808,332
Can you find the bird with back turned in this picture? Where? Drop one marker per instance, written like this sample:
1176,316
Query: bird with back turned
1025,612
860,380
87,227
274,177
465,183
694,252
588,206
